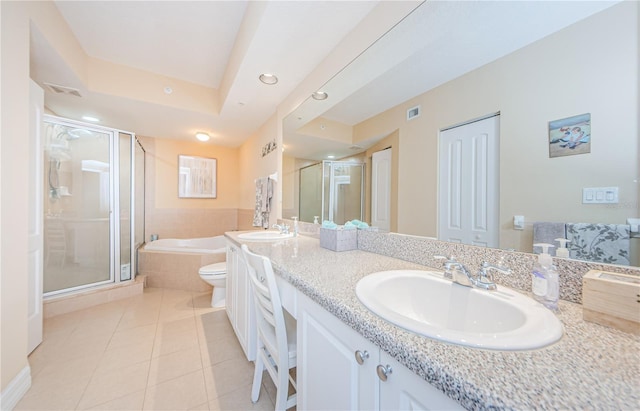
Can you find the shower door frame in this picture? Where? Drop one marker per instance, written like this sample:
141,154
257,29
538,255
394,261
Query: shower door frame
114,202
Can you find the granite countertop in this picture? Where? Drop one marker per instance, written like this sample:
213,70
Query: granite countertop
591,367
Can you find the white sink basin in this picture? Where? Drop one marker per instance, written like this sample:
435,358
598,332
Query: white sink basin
270,235
425,303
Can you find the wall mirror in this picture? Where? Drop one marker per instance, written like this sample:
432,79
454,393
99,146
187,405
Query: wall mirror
531,62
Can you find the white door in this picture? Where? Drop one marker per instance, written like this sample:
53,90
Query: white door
468,183
36,100
381,189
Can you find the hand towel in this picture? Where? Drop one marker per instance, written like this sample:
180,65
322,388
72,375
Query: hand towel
605,243
264,194
547,232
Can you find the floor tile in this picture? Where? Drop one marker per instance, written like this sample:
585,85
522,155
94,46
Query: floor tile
180,393
176,364
227,376
240,400
164,349
124,356
129,402
111,385
221,350
138,335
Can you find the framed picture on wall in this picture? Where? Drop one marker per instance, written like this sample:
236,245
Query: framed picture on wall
197,177
570,136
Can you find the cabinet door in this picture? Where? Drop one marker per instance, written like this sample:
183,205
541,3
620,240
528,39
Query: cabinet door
328,375
245,312
230,292
404,390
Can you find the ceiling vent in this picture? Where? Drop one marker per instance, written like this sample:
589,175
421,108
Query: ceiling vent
413,112
63,90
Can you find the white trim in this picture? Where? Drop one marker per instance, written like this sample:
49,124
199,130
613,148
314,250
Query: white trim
464,123
16,389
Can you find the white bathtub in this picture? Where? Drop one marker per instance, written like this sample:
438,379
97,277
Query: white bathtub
205,245
174,263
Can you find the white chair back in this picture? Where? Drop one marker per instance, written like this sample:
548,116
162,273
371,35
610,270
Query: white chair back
275,350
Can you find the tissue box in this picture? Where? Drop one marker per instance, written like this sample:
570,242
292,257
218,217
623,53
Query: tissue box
338,240
612,299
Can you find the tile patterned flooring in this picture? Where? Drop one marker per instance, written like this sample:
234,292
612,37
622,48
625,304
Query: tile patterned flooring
162,350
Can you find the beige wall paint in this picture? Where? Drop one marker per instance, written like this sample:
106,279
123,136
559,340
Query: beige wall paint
165,155
171,217
253,165
590,67
14,153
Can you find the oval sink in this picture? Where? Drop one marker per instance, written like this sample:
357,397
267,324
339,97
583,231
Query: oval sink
425,303
269,235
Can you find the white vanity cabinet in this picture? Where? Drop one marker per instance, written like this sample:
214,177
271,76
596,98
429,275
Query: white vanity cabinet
239,301
339,369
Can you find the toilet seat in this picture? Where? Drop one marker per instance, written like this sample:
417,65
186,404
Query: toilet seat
212,270
215,275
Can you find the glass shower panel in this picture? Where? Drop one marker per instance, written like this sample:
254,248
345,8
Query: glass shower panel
77,241
310,192
347,191
125,145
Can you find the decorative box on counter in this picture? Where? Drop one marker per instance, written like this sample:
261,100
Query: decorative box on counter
612,299
338,240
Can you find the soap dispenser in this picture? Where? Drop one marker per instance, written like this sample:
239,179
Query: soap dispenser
562,251
545,279
295,226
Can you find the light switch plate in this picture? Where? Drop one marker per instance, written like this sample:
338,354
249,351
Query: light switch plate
600,195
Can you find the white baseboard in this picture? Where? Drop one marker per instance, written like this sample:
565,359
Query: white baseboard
16,389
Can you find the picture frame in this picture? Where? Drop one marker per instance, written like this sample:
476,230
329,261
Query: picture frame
197,177
570,136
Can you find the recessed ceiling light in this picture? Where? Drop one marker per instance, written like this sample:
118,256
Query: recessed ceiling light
202,136
268,78
89,118
331,156
319,95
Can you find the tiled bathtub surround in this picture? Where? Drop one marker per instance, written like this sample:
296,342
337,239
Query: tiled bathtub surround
190,222
421,250
177,271
591,367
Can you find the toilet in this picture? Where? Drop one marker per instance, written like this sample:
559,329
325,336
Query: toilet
216,275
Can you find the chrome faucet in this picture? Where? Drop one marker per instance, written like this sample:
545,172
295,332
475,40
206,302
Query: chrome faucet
284,229
458,273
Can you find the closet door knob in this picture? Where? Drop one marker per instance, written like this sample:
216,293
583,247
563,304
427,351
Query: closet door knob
383,371
361,356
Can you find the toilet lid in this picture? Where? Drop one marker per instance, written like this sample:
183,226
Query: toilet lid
217,268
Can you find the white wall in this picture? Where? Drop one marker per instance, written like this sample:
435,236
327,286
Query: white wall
13,194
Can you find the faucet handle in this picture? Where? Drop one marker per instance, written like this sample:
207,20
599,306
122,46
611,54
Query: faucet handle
486,267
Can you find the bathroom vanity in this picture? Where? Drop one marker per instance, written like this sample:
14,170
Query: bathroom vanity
349,358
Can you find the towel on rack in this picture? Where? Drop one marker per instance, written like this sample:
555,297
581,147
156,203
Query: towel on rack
264,193
546,232
605,243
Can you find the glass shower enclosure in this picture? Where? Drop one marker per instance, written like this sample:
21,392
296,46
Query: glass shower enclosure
91,190
332,190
